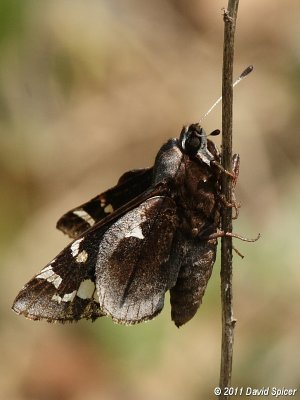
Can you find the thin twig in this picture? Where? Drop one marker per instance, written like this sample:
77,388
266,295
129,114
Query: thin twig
228,320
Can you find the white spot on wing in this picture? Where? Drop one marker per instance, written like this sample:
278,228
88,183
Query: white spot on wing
50,276
56,280
86,289
45,274
66,297
85,216
135,232
108,209
69,296
48,268
75,247
56,297
102,201
82,257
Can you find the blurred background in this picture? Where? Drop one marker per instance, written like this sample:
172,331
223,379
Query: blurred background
91,89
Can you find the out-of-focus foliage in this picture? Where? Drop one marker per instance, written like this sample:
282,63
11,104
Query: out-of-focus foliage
91,89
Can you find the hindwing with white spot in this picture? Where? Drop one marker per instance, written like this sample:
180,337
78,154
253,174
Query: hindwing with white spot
65,289
134,269
122,269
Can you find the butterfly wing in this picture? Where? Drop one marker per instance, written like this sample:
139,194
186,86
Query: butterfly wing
197,259
130,185
65,289
134,266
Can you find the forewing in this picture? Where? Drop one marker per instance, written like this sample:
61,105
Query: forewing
196,268
133,269
65,289
130,185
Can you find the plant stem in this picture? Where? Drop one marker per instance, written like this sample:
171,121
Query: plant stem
228,321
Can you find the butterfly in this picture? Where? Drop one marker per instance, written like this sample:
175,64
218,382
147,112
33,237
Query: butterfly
155,231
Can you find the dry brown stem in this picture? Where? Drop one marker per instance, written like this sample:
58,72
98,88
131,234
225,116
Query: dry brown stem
228,321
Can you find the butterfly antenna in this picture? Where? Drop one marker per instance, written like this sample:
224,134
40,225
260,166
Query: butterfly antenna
243,75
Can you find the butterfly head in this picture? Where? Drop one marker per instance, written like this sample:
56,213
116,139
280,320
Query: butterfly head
193,141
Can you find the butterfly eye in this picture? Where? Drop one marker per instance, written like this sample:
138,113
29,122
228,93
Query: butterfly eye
192,144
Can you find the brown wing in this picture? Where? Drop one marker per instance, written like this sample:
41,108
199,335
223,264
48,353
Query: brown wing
133,269
130,185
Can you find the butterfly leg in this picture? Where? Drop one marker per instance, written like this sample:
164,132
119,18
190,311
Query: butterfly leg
220,233
234,174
